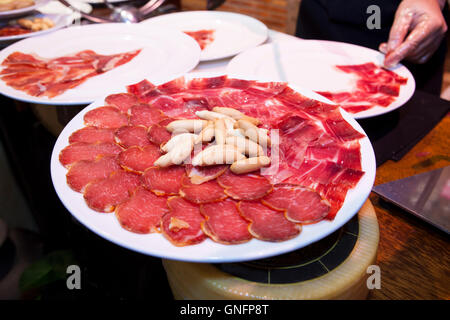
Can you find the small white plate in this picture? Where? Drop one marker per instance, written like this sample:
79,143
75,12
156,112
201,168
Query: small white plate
166,54
15,13
59,20
107,226
311,64
234,32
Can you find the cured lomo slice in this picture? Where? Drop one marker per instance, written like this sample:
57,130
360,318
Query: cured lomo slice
182,225
142,212
223,222
92,135
199,175
301,205
129,136
138,159
122,101
105,117
104,195
84,151
209,191
267,224
164,181
158,134
244,186
84,172
144,115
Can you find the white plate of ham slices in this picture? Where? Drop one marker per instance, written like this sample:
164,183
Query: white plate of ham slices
164,54
107,225
228,33
312,64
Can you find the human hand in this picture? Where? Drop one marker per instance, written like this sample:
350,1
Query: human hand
416,33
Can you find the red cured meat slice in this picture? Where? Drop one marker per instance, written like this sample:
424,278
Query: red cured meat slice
144,115
244,186
104,195
122,101
175,86
83,151
142,212
266,89
141,88
169,106
23,58
84,172
92,135
105,117
342,130
129,136
158,134
223,222
238,83
300,204
199,175
206,192
207,83
182,225
164,181
371,87
203,37
267,224
138,159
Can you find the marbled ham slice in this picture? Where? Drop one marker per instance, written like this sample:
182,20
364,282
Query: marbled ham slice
182,224
244,186
92,135
199,175
164,181
223,222
84,151
104,195
300,204
105,117
84,172
144,115
206,192
138,159
267,224
142,212
158,134
122,101
129,136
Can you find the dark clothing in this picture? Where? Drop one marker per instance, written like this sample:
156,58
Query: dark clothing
345,21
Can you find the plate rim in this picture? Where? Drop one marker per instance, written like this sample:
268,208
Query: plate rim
16,12
216,13
411,85
368,179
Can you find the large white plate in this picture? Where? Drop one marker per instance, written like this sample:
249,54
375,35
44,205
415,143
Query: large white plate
234,32
166,54
107,226
310,64
59,20
15,13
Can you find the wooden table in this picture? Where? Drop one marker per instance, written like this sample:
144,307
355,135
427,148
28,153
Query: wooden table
414,257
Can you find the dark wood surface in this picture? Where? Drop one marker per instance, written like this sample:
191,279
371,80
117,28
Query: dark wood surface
414,257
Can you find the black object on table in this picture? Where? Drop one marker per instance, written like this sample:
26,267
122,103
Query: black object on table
395,133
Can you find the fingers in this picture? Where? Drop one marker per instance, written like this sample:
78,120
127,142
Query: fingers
399,29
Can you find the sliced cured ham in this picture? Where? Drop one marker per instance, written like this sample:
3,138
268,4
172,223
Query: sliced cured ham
158,134
84,172
206,192
142,212
105,117
164,181
182,224
51,77
300,204
129,136
92,135
203,37
144,115
138,159
122,101
199,175
244,186
104,195
223,222
84,151
267,224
